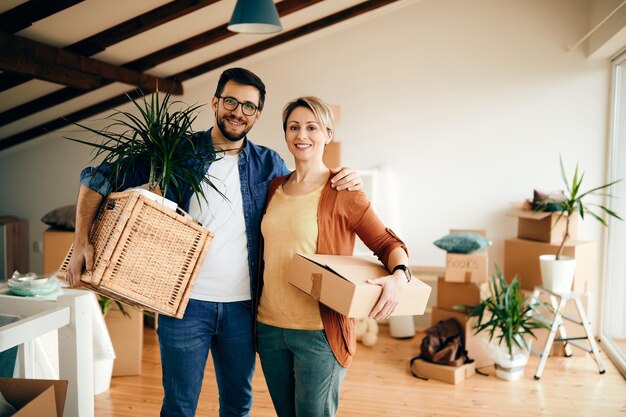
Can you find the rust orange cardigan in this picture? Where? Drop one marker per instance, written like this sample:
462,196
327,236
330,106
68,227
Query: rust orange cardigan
340,217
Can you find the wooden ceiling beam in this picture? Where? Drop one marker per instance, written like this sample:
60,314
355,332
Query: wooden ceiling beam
133,27
118,33
142,64
224,60
39,104
22,16
45,62
63,121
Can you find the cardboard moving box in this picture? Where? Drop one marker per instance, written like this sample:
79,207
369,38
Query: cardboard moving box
56,243
35,397
543,226
443,373
339,283
127,338
332,154
429,276
471,267
451,294
521,258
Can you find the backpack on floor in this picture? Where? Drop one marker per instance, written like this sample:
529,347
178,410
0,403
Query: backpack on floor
444,344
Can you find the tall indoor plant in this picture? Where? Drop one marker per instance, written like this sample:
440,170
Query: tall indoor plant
159,137
558,271
508,317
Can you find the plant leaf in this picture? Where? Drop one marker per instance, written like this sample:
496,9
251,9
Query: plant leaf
159,135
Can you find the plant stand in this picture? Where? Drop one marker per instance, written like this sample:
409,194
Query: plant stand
557,325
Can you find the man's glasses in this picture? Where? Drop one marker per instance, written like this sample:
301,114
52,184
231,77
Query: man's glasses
231,104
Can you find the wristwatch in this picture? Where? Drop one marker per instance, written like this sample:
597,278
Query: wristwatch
405,269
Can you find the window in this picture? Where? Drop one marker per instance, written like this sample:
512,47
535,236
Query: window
613,330
380,186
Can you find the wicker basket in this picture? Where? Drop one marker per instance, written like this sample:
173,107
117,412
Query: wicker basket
146,255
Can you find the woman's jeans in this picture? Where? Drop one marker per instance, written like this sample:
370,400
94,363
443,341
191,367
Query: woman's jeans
226,330
301,371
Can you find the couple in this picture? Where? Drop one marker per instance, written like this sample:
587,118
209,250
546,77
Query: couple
268,215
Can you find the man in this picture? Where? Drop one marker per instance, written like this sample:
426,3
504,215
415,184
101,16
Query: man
219,316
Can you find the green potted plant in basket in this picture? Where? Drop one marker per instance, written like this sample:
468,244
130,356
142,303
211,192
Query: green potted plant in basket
159,137
154,145
558,271
509,318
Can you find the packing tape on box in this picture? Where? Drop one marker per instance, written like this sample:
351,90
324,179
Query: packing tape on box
316,287
468,277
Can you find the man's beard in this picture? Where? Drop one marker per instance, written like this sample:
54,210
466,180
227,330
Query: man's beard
221,125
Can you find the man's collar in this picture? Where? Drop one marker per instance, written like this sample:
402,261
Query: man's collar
244,148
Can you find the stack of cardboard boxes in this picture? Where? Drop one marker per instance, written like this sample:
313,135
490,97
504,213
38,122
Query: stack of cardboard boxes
463,284
541,233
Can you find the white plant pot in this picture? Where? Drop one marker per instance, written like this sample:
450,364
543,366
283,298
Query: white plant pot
509,367
102,372
557,276
401,327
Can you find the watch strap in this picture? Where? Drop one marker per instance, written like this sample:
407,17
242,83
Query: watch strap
405,269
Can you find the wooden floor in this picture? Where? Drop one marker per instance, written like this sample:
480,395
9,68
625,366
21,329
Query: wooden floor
378,385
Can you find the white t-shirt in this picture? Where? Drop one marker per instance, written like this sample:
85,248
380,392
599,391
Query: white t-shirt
224,276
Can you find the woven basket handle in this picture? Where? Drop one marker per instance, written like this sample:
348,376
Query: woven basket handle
183,213
187,216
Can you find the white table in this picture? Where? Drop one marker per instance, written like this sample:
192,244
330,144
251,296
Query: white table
71,315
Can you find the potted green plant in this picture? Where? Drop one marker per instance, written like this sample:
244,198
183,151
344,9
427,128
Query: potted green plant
508,317
154,142
558,271
159,137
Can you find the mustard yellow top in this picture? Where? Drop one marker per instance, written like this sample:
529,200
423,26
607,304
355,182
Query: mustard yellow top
289,226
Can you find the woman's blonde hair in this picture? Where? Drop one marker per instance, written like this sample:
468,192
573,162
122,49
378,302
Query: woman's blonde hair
321,110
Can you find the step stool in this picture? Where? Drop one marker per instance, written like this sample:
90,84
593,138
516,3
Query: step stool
557,325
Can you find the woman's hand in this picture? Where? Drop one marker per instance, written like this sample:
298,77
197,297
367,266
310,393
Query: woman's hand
393,285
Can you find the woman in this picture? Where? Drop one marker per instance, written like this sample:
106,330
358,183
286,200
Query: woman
304,346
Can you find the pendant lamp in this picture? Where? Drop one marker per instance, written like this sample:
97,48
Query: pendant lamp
255,16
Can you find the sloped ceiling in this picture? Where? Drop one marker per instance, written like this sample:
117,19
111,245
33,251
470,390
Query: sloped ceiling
66,60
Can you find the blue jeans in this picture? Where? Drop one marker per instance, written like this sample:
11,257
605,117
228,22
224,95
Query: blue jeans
226,330
301,372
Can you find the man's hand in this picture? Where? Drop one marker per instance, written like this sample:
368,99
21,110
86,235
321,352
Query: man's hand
82,260
390,297
82,252
346,179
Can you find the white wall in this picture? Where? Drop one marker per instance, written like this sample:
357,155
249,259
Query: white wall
470,102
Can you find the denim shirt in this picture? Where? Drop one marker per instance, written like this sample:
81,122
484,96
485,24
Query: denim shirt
258,165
